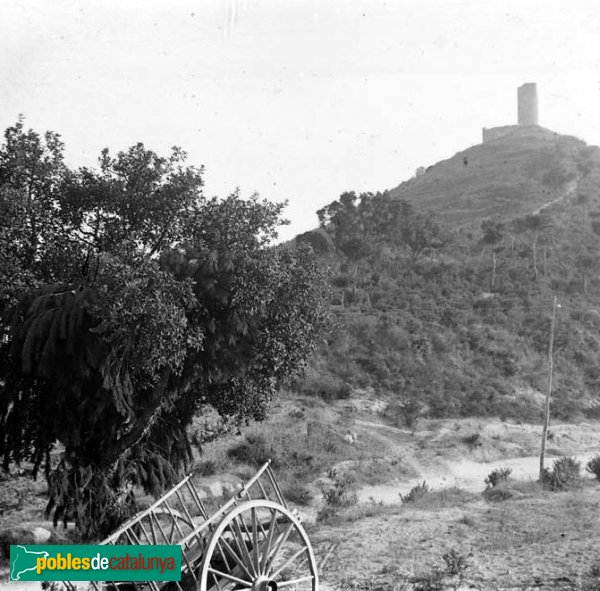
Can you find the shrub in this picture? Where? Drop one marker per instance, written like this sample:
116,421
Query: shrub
439,579
206,468
405,414
593,466
498,494
565,475
495,477
327,514
254,451
418,491
298,493
326,387
343,493
456,563
473,440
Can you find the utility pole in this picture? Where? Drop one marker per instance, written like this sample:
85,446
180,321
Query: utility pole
549,392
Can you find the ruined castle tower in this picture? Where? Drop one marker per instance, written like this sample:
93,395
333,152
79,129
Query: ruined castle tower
528,104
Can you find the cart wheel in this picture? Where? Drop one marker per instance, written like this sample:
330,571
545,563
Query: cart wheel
259,546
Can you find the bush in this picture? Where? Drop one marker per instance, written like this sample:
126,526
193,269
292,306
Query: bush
298,493
565,475
448,577
327,387
405,414
206,468
473,440
418,491
593,466
498,494
456,563
255,451
343,493
495,477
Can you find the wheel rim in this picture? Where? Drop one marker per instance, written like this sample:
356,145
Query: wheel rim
259,546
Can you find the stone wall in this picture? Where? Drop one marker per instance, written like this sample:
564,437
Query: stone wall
493,133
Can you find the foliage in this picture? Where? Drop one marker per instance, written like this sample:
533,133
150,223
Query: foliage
406,413
436,330
128,301
343,493
495,477
298,493
254,451
438,579
416,493
206,468
473,440
593,466
565,475
359,225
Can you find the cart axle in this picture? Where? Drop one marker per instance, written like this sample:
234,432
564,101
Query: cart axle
264,584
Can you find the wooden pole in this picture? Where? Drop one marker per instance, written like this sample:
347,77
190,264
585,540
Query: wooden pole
549,392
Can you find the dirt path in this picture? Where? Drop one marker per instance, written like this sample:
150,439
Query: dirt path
568,192
441,472
467,475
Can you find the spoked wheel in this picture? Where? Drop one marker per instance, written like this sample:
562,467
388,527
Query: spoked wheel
259,546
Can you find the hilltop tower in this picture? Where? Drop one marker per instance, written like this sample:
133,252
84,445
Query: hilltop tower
528,104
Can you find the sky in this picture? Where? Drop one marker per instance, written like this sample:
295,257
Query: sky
298,100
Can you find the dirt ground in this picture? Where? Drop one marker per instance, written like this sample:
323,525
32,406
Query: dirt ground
541,540
528,539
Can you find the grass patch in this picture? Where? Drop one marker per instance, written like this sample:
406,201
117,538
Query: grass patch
330,516
440,499
379,470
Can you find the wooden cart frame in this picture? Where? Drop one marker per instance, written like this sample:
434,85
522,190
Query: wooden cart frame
251,542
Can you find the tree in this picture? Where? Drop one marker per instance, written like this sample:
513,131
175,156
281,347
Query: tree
536,225
493,233
360,225
137,300
344,222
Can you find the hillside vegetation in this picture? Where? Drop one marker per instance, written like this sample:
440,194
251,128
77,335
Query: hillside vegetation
509,176
442,288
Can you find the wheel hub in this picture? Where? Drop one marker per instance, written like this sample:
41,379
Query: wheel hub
264,584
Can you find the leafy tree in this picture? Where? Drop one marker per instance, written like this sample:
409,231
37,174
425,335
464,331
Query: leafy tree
344,222
360,225
131,301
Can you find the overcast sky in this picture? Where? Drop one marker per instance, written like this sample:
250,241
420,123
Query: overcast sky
296,99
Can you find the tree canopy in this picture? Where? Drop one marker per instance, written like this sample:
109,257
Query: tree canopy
360,224
127,300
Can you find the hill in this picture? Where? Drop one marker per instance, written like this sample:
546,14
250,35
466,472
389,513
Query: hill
442,288
508,176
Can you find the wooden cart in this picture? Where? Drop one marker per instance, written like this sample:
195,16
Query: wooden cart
252,541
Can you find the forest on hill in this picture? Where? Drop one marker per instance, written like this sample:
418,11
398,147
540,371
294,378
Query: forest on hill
448,314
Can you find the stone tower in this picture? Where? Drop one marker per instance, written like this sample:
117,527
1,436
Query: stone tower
528,104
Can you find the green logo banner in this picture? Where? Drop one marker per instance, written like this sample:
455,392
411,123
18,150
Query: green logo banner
95,563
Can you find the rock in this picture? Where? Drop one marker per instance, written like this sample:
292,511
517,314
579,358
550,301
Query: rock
40,535
218,486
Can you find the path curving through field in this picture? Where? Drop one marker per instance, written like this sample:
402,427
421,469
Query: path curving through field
442,473
466,474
